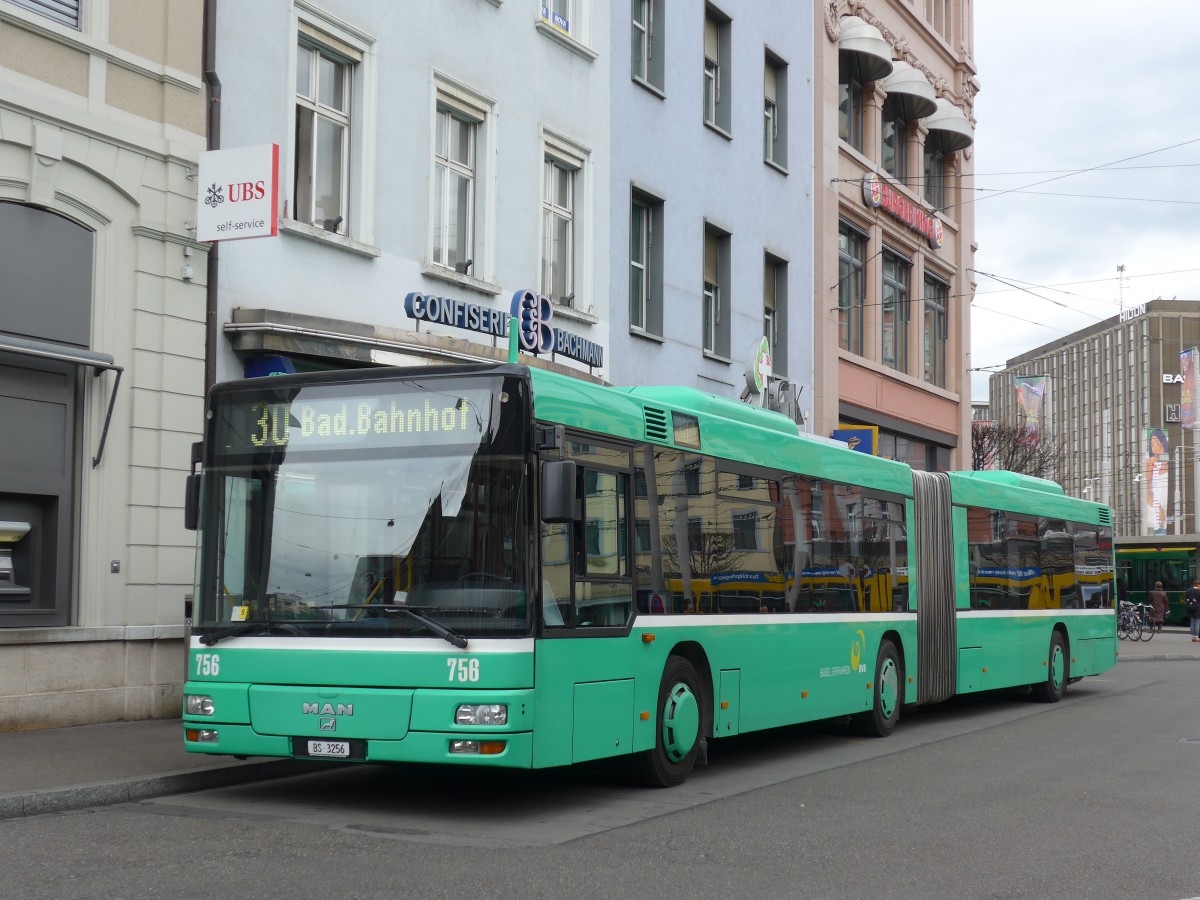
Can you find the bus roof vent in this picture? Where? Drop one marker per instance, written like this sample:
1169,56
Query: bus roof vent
656,424
1105,516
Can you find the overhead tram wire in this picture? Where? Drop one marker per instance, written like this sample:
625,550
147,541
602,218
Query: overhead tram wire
1095,168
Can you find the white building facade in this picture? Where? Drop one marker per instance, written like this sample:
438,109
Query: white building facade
453,154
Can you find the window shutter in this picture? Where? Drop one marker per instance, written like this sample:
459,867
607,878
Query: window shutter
64,11
329,42
769,82
710,258
711,43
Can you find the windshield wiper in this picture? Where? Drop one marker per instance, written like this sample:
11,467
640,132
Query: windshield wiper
266,625
232,631
458,640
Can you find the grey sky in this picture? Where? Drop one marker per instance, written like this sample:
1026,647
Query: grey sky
1106,86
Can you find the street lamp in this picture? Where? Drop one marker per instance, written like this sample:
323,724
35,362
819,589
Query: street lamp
1137,503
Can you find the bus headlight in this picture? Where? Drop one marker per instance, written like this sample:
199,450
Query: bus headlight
481,714
478,748
199,705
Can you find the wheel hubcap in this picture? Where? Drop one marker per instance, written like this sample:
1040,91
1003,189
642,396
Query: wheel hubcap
681,722
889,685
1058,666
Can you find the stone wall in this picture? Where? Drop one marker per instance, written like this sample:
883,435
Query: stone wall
53,678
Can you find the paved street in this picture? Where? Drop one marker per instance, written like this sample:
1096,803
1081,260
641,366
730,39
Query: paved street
991,797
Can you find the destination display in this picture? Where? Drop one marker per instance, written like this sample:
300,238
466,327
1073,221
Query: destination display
392,420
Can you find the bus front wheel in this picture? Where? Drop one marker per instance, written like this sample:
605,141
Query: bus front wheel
679,731
1058,672
880,720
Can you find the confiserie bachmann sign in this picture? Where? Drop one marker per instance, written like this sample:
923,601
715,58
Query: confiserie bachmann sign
881,195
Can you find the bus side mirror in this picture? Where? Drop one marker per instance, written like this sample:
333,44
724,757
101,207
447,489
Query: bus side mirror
191,499
558,490
191,503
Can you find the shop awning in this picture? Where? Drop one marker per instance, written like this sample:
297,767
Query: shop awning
98,362
949,127
911,90
869,54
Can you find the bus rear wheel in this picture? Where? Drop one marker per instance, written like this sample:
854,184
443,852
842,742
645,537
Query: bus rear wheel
1058,672
880,720
680,727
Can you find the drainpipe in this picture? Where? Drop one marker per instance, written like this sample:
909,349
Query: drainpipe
212,83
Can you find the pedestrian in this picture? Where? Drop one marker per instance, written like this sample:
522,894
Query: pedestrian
1158,604
1192,601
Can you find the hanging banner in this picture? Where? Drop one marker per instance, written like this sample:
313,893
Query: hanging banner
1155,481
1031,393
1187,389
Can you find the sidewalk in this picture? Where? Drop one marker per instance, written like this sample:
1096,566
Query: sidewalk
57,769
92,765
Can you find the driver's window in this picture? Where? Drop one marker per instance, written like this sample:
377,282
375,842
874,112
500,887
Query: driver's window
586,566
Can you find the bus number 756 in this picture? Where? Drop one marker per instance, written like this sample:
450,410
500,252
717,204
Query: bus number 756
462,669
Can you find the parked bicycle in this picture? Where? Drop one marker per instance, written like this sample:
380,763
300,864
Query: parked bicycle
1129,622
1144,611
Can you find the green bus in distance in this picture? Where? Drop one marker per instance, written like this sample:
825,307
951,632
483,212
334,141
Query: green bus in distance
1143,560
499,565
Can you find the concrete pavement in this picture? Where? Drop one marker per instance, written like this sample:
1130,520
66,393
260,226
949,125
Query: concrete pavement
92,765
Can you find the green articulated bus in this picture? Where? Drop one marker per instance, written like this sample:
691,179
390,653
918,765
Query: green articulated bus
499,565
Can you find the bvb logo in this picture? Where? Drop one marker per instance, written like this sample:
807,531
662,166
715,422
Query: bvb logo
534,314
856,649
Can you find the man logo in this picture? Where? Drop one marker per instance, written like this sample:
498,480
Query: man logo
327,709
328,725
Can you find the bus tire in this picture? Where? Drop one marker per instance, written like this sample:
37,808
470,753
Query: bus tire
888,695
679,729
1058,672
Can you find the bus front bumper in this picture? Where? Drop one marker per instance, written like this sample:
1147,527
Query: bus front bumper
510,749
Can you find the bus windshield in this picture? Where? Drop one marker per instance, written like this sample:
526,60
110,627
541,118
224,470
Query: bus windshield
343,508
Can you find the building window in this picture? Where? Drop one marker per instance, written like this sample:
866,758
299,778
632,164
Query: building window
852,287
714,320
558,231
463,142
564,241
894,139
850,104
938,13
745,531
321,184
646,57
775,112
64,11
716,70
642,537
775,311
640,240
455,137
645,263
937,293
935,176
896,271
561,14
